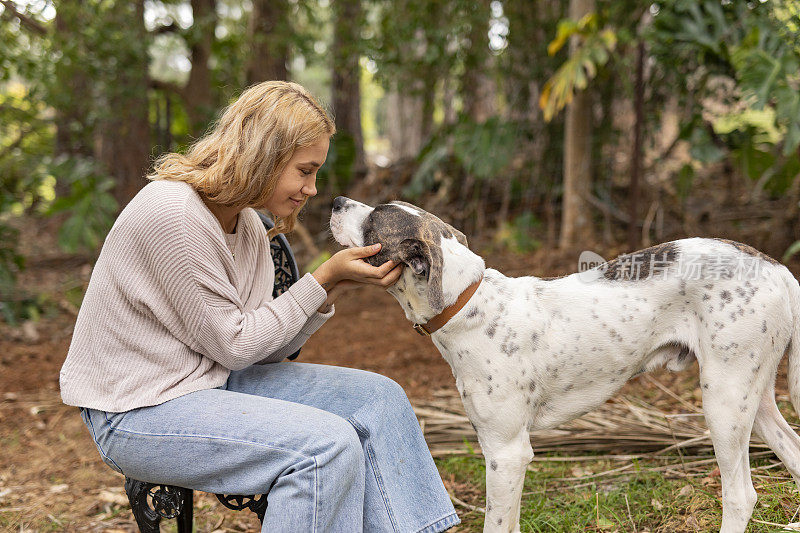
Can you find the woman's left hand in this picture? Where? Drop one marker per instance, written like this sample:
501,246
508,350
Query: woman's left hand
342,286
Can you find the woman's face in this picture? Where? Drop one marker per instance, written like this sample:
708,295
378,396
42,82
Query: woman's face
297,181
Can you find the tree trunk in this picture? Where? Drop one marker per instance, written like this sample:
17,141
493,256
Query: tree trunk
403,122
124,141
525,37
268,35
73,132
346,89
576,219
476,87
197,94
636,157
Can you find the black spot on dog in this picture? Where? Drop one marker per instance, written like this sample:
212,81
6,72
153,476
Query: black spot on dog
764,327
493,465
509,349
749,250
535,340
473,312
726,297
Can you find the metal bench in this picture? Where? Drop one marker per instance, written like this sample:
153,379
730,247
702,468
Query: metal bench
150,502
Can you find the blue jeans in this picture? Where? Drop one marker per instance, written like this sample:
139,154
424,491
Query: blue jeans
335,449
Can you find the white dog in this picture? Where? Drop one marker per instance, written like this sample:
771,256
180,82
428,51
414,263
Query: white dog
529,353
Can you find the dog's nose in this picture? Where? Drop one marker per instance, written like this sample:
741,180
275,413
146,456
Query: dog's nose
339,202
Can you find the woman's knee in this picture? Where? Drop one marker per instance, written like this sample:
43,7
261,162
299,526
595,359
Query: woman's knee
385,389
343,449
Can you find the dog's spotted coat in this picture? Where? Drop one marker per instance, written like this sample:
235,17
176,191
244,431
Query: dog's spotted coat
529,353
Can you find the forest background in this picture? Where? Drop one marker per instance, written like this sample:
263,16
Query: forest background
539,128
682,118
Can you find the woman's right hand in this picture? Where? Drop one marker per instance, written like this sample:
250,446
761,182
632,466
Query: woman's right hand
349,265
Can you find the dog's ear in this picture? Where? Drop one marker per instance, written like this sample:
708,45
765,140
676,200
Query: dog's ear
460,237
425,260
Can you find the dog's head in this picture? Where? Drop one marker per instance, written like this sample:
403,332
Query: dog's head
408,235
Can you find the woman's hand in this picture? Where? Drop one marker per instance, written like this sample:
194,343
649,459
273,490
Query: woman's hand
347,268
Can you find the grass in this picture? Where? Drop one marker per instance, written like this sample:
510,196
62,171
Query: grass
568,496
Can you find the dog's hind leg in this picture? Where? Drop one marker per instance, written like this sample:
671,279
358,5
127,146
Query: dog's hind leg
730,412
506,463
777,434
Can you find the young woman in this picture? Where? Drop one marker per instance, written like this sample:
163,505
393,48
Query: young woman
176,359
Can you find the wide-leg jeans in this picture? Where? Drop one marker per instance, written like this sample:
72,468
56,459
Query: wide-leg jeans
335,449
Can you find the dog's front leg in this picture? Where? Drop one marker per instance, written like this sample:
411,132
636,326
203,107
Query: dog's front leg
506,462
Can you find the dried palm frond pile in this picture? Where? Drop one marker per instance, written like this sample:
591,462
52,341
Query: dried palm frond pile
622,425
623,429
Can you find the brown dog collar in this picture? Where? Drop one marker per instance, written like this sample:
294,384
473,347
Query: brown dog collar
442,318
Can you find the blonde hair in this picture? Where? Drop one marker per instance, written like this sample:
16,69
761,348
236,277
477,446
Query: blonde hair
238,161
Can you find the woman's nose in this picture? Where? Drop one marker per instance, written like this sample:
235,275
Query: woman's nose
310,190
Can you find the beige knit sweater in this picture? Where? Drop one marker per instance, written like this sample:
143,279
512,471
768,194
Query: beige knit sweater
174,304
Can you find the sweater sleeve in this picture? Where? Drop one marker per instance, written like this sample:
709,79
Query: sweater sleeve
219,327
309,328
236,339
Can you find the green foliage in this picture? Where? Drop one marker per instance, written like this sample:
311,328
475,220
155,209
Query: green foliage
791,251
90,204
703,148
685,180
768,71
433,159
517,235
11,261
16,308
316,262
341,159
480,150
581,66
742,56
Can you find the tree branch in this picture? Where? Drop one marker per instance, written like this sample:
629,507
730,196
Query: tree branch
169,28
167,87
30,23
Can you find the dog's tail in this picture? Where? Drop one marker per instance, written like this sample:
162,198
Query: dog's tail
793,289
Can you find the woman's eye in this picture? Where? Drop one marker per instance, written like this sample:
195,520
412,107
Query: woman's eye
304,171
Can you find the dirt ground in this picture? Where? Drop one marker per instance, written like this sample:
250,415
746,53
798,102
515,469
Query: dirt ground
51,477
